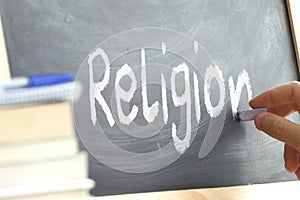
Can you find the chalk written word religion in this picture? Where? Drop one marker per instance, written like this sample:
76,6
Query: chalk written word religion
150,112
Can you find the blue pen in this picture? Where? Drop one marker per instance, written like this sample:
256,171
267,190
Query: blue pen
37,80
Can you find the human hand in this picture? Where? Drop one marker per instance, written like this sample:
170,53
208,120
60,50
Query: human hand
281,101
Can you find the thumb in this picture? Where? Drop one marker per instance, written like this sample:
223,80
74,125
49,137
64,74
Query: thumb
279,128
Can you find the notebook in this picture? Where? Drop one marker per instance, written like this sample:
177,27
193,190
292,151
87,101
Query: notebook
44,94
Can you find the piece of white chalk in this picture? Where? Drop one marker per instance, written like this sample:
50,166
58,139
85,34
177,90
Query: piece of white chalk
248,115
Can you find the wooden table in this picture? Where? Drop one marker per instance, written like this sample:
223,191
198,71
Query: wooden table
272,191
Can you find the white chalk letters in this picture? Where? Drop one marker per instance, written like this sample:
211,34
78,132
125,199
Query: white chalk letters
150,112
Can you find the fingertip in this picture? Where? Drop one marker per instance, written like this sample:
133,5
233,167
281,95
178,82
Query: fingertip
291,159
297,173
251,103
291,167
256,103
260,119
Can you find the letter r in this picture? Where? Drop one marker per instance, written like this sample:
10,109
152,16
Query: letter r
97,88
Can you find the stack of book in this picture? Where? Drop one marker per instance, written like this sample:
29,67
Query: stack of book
40,157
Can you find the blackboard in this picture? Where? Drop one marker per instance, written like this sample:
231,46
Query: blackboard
209,44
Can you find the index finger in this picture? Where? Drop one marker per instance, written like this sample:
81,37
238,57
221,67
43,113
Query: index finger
288,93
